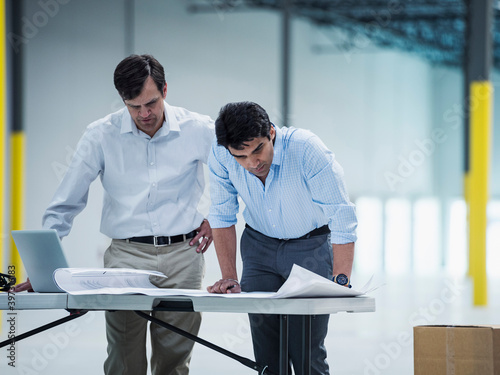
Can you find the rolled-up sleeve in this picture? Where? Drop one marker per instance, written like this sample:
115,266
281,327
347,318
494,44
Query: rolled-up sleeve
224,196
325,178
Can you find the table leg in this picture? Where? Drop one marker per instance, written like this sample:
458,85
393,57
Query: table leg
73,314
283,344
261,369
306,344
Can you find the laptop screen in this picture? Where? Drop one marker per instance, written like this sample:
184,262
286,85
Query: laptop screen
42,253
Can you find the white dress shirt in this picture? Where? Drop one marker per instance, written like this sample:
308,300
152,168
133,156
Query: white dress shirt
152,186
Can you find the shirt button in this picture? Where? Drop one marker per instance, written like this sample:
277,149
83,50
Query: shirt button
270,210
152,163
154,184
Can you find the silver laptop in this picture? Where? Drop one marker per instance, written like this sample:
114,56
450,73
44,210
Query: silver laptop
41,252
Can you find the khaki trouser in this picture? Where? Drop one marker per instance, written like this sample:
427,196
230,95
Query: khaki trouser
126,331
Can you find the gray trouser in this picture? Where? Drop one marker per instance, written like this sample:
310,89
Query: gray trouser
126,331
267,262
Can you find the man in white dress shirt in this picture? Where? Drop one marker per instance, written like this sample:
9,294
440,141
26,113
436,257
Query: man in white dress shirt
149,157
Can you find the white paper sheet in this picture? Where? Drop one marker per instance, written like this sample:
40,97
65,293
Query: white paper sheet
300,284
105,280
303,283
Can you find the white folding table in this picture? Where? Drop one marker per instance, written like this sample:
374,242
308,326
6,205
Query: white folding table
77,305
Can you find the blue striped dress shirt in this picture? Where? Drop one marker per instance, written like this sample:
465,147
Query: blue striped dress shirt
304,190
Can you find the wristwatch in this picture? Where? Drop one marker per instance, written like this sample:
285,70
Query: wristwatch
341,279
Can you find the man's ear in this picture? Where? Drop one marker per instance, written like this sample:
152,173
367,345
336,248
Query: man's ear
164,93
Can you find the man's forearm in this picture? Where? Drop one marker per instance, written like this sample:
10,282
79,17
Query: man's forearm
225,247
343,257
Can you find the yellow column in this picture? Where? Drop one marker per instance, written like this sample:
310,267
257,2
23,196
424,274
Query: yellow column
17,196
3,132
480,143
467,220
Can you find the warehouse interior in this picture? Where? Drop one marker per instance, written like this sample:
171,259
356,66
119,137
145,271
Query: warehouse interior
384,83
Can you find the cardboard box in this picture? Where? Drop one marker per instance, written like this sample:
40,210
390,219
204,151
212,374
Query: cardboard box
456,350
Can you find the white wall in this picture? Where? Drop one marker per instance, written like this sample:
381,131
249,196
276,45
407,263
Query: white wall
369,106
448,104
211,59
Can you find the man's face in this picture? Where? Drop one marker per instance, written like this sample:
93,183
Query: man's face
257,155
147,108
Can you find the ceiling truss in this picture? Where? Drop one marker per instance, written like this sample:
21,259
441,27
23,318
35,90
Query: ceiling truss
432,29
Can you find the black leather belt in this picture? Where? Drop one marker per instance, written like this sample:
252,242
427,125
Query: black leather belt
162,240
315,232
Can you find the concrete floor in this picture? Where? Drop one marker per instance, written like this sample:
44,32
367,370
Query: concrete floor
366,343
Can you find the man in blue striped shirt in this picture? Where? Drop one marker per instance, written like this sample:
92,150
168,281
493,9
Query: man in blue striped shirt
297,211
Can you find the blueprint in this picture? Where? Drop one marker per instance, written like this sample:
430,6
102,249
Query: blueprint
301,283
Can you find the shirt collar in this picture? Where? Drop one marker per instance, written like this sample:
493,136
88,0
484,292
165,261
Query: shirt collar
170,123
171,120
278,145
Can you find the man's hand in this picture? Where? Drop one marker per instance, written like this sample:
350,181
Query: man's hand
224,286
21,287
225,247
204,235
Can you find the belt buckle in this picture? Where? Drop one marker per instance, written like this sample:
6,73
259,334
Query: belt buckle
156,244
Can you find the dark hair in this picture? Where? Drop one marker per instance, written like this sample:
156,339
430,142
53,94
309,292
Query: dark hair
241,122
132,72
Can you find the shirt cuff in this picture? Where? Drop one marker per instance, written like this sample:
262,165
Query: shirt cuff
220,221
343,238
